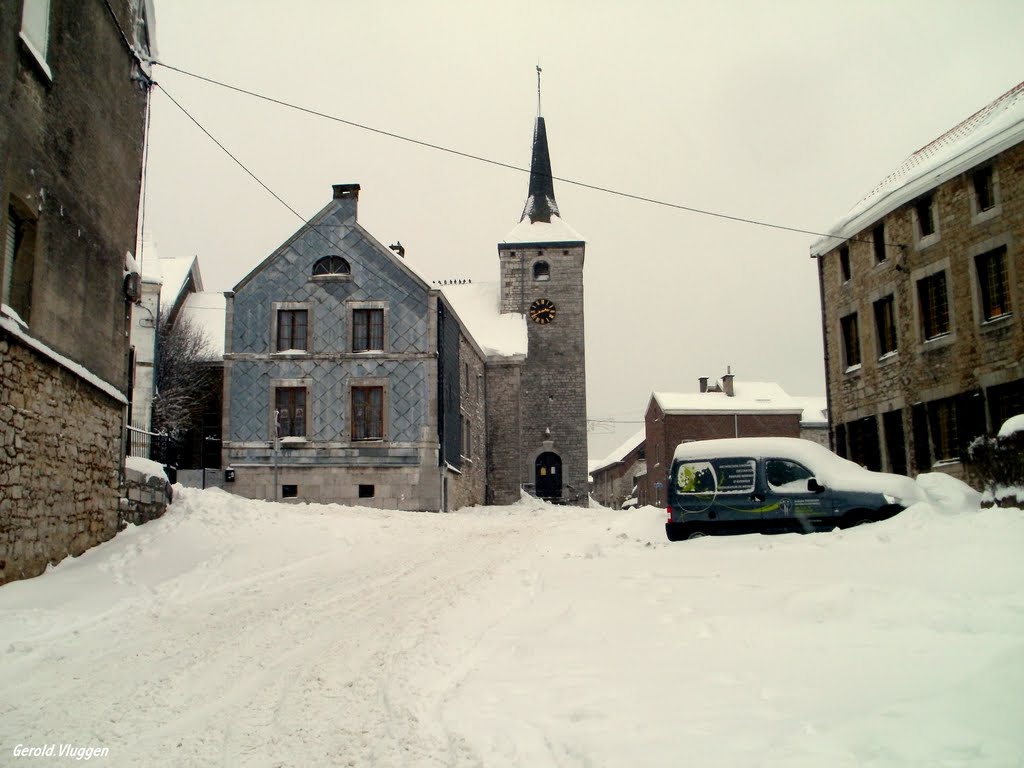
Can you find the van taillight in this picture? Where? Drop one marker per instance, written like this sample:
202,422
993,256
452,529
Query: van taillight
668,511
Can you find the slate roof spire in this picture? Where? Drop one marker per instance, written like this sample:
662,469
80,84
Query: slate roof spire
540,202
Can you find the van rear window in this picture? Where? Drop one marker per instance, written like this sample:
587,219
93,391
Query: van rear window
715,476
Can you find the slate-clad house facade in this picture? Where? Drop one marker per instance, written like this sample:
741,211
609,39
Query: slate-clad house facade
332,373
922,288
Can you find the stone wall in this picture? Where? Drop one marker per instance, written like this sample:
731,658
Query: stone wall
146,497
466,487
504,467
973,356
553,397
59,462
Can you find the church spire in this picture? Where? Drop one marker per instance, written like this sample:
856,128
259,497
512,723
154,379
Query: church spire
540,203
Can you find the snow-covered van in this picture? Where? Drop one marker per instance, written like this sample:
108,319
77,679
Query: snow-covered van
775,485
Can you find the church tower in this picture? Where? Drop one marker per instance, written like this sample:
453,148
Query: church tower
541,264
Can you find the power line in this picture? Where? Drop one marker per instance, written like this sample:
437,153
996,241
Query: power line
498,163
307,222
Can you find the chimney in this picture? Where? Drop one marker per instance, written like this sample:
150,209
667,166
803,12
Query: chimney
703,383
727,382
348,196
398,248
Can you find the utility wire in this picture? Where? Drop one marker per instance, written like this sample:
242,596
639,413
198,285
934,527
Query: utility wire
498,163
307,222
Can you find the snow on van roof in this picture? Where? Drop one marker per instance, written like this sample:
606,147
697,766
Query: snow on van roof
831,470
748,396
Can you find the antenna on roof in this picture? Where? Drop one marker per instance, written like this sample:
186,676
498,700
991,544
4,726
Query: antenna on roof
538,90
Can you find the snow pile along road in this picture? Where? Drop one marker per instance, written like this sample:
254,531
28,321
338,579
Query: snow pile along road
233,632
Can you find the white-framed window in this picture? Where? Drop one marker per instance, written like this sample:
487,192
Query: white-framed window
35,30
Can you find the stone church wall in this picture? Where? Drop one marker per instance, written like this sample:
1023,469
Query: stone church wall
59,463
503,433
466,488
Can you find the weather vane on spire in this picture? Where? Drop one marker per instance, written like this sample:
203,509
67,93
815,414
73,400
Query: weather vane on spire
538,90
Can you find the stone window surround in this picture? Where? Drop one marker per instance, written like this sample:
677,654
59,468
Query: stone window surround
925,241
984,246
926,345
385,406
277,306
873,296
541,269
979,216
275,384
847,366
350,307
845,265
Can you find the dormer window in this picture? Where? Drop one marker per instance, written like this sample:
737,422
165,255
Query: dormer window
332,266
541,271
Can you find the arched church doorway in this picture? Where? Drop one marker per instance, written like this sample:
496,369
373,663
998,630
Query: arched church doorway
547,476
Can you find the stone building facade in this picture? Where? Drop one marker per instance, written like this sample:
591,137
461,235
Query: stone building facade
541,277
922,287
71,147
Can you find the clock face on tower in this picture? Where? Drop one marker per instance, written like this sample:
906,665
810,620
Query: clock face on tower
542,311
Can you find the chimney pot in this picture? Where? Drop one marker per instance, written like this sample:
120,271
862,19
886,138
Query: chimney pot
345,191
703,383
727,383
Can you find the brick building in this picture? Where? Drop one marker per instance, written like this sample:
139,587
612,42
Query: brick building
725,409
921,289
72,121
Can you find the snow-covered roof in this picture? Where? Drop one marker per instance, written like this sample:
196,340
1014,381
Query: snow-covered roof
171,273
478,307
206,310
992,130
555,231
622,451
815,411
748,397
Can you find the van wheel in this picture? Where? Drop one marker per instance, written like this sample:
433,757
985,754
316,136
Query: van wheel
858,517
696,535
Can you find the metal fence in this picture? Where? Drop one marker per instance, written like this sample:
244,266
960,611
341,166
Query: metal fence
158,446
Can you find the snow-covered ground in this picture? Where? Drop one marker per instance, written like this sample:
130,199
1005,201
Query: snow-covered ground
240,633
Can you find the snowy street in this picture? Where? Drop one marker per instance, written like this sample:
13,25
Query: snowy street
233,632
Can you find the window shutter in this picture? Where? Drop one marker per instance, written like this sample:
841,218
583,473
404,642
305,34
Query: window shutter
9,248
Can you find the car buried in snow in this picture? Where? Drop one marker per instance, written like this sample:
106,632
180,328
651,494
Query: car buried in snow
775,485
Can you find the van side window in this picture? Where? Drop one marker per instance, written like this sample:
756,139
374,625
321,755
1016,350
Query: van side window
715,476
786,476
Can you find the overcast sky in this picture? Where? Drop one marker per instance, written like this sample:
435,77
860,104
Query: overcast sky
785,112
